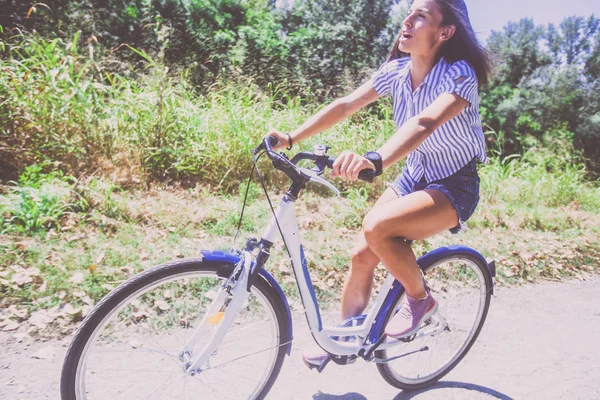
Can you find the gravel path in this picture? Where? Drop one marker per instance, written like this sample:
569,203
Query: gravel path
540,341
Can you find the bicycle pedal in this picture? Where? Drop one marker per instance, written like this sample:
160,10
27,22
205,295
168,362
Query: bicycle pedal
318,367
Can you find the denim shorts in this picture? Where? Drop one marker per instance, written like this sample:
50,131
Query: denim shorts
461,188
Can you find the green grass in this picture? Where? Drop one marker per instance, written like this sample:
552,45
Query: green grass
529,182
39,202
166,224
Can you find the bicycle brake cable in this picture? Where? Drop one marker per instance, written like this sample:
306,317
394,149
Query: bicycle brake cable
254,166
270,204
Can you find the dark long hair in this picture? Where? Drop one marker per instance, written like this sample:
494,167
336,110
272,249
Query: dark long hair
463,45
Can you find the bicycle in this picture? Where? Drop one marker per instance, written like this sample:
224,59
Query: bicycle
220,325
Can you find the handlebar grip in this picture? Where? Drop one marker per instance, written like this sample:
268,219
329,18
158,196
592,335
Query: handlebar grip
266,144
367,175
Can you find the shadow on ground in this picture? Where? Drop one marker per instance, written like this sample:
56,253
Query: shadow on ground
465,390
347,396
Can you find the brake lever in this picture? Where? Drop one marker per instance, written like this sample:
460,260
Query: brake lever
314,176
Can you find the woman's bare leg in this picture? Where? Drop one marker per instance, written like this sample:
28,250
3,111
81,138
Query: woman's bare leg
416,216
359,282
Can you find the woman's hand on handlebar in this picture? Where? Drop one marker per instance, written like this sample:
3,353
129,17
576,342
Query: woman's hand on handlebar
348,165
282,139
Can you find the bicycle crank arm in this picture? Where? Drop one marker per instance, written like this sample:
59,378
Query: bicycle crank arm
437,325
387,360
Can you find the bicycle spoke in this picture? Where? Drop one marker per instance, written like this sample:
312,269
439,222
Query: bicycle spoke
248,355
165,386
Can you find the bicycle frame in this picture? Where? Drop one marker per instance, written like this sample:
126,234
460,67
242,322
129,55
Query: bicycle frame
369,331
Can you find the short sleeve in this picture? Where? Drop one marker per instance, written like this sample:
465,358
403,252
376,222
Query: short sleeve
386,75
461,79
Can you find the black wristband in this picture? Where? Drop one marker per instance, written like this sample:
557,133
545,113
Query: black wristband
290,141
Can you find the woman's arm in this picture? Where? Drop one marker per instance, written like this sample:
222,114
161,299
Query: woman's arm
414,131
417,129
335,112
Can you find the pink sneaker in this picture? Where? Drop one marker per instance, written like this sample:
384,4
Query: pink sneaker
414,311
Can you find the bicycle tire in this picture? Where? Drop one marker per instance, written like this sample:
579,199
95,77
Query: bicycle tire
410,380
74,372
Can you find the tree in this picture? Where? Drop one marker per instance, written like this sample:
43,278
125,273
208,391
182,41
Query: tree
587,134
554,39
572,42
592,64
518,54
517,51
577,33
335,40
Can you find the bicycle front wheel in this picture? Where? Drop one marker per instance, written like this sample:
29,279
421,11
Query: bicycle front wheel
130,346
462,286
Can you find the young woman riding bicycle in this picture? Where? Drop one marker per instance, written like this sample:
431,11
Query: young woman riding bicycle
432,74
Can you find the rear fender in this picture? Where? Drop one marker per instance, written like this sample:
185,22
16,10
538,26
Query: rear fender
425,261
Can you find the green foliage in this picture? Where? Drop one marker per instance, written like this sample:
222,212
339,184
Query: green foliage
359,206
54,99
323,44
537,93
333,42
592,64
547,101
587,133
38,202
156,127
206,72
545,176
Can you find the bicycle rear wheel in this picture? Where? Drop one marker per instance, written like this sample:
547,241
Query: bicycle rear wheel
462,286
130,346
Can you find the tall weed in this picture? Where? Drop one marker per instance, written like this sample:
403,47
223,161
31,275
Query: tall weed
65,106
539,178
38,202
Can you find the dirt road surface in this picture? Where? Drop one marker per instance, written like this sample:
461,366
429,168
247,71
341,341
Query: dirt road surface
540,341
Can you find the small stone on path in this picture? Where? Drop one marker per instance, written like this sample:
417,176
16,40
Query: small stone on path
46,353
11,326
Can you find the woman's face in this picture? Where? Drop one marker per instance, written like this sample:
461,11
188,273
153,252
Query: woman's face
422,31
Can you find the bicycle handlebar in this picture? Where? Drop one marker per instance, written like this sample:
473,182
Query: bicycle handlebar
287,166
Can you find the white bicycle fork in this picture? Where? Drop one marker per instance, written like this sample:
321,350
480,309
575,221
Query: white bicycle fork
223,309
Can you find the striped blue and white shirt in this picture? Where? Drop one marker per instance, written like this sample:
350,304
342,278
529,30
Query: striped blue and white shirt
452,145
